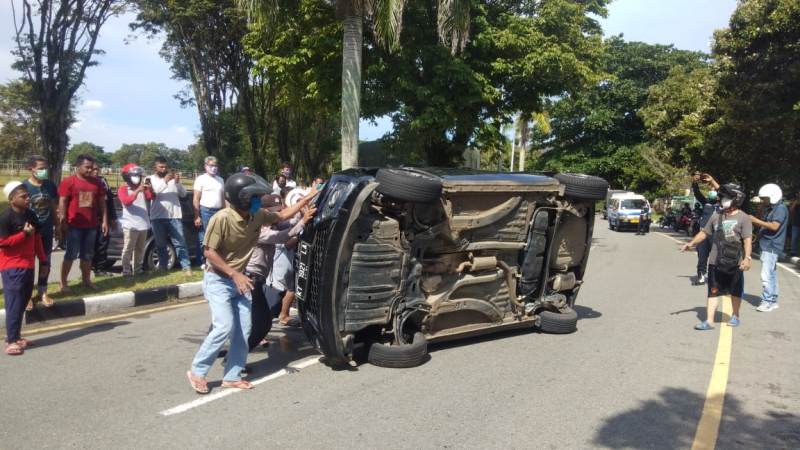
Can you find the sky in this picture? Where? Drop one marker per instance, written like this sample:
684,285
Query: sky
129,96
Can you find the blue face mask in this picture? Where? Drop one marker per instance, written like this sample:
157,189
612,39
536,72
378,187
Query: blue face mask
255,204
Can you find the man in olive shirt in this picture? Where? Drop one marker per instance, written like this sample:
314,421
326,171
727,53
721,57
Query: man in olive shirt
228,244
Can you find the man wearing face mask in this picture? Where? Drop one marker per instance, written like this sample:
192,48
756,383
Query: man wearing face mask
710,206
229,243
134,196
731,231
287,184
771,239
44,203
208,198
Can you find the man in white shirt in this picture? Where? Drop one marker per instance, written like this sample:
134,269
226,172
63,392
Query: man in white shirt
289,184
166,215
207,199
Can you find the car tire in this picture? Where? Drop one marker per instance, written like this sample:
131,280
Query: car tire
399,356
585,187
151,257
558,322
409,185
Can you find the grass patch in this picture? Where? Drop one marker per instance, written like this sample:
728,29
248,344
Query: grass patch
109,285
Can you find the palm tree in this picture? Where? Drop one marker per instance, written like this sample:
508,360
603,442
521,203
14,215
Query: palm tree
386,17
524,126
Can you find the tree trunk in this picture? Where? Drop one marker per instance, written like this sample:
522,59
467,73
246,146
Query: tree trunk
524,131
351,87
53,130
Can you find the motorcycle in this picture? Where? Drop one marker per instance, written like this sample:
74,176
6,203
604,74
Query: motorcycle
667,220
683,223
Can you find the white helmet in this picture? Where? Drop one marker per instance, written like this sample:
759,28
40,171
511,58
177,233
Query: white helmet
9,188
772,191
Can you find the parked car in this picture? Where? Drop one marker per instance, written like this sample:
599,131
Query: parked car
151,254
625,209
397,258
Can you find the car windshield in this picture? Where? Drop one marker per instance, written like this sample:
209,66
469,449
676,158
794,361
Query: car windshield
633,204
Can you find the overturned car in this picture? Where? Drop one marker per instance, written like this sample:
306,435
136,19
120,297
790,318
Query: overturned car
397,258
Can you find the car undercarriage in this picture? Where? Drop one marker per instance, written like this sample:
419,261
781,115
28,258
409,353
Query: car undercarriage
397,258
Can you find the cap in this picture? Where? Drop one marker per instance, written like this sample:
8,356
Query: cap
10,187
272,202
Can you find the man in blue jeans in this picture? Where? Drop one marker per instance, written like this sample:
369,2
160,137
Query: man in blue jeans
229,242
166,216
771,239
207,199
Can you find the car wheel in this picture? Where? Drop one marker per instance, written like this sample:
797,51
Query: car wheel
409,185
399,356
583,186
558,322
151,257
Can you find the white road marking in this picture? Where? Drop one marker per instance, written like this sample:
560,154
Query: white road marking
291,368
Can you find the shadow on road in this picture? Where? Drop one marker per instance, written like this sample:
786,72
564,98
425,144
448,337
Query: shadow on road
585,312
752,299
78,333
669,421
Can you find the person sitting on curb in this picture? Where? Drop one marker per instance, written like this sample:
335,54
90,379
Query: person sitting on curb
731,231
771,239
229,242
20,243
134,196
260,265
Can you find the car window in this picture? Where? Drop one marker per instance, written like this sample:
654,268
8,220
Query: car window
633,204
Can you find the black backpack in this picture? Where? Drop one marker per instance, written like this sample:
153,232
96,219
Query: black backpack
729,254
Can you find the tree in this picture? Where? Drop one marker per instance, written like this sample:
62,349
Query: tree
87,148
19,121
755,136
203,44
519,54
599,130
55,45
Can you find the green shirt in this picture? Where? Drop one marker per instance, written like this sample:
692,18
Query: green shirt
235,237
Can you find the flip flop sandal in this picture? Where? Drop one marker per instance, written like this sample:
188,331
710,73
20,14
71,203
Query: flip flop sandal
14,349
199,385
241,384
24,343
47,301
293,323
29,306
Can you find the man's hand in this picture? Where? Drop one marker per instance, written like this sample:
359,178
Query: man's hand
745,264
197,222
696,178
177,177
28,229
243,284
308,214
104,228
168,178
686,247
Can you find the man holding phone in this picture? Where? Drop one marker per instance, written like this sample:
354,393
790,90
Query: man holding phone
166,215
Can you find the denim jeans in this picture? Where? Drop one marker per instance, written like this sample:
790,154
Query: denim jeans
172,229
205,217
80,243
769,279
703,250
230,319
795,238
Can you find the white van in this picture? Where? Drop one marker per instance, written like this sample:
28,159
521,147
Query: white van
624,210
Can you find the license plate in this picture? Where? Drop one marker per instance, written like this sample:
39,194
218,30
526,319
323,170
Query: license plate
302,270
634,220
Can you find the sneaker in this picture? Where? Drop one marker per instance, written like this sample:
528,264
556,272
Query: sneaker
701,279
767,306
734,322
703,326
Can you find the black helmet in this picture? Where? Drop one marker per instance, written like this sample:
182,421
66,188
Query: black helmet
734,192
240,188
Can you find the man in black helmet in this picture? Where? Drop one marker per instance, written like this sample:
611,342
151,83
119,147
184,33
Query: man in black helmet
731,231
228,244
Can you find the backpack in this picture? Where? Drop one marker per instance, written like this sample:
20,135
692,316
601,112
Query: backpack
729,254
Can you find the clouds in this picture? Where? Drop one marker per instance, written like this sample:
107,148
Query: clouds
92,104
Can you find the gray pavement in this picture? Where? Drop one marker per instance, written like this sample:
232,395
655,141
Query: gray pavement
633,376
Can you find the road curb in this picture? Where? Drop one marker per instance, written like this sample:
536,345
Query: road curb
109,303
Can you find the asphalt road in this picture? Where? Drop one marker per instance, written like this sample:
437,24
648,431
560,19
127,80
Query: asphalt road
634,376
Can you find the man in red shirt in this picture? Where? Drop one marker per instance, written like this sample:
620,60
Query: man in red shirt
20,242
82,200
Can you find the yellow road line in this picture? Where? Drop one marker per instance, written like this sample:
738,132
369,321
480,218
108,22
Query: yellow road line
705,437
84,323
